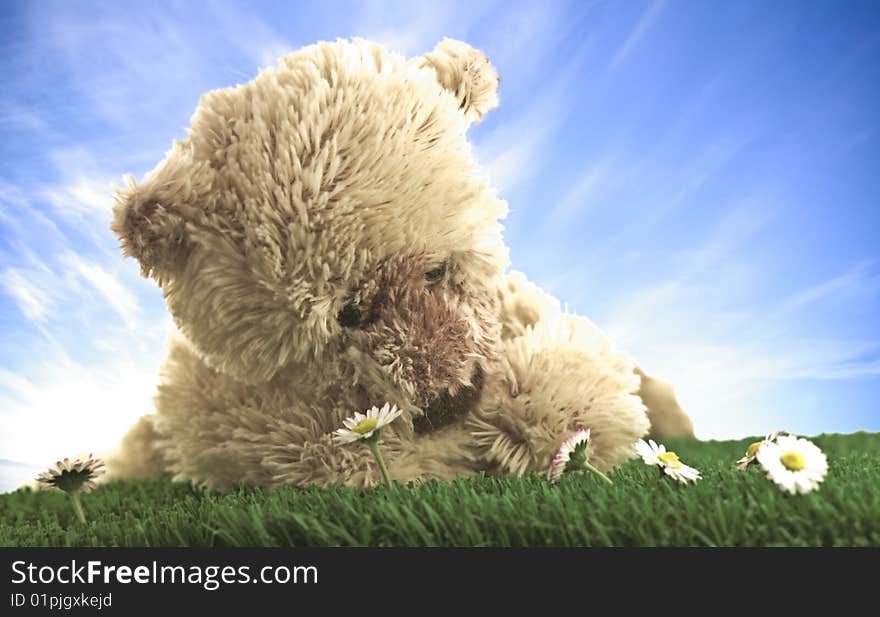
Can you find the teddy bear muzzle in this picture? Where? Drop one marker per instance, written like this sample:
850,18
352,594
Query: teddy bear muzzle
429,343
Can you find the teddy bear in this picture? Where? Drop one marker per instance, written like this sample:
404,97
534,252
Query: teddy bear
326,242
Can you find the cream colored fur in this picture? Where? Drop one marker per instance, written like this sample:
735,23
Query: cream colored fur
325,243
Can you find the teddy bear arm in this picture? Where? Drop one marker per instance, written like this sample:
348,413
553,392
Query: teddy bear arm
523,305
551,383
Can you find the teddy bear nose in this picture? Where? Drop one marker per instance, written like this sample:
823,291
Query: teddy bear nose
349,316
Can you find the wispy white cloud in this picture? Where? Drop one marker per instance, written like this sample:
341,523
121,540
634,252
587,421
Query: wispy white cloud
82,363
584,193
75,287
509,153
20,218
720,384
14,116
418,27
83,378
84,197
131,64
34,302
80,194
257,41
610,186
706,328
677,191
720,356
538,26
642,27
857,278
110,289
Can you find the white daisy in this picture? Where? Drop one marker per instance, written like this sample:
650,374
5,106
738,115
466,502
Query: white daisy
571,456
73,477
363,426
752,450
795,465
654,454
366,427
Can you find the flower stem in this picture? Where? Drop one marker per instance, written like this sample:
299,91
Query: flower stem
598,473
374,448
77,506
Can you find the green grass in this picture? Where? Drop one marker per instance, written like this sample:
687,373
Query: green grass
727,508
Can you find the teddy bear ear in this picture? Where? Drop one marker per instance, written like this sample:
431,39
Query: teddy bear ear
150,219
466,73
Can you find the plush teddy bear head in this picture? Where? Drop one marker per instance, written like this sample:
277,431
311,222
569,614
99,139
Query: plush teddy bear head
329,214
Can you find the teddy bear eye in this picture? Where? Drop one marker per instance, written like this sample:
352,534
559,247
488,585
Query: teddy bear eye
435,274
349,316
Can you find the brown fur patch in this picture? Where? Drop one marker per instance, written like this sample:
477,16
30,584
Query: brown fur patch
430,337
448,408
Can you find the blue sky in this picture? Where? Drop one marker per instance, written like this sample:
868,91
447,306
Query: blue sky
701,179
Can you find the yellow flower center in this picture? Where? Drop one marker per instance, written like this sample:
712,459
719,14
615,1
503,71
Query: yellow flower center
365,426
753,449
793,461
670,458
